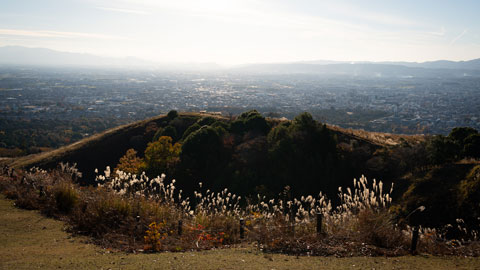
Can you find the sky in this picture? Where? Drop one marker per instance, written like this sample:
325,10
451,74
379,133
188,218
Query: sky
230,32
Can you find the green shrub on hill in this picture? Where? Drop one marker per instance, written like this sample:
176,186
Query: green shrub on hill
461,142
251,121
161,156
190,130
202,155
471,146
206,121
469,194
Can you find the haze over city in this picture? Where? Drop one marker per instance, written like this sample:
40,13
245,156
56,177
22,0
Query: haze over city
239,32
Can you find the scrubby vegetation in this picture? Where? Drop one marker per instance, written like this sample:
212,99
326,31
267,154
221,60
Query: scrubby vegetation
253,155
135,212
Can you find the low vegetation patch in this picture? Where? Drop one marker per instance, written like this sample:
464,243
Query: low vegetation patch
137,213
29,240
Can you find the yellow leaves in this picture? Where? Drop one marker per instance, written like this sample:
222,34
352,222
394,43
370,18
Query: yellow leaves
257,215
154,235
162,154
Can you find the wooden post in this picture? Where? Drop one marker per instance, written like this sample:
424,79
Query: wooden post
319,223
180,227
413,247
242,228
293,211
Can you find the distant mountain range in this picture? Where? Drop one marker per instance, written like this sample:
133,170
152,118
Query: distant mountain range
360,70
16,55
440,68
466,65
24,56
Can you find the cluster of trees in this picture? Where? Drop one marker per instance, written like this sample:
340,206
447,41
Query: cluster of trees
441,173
251,154
462,142
419,155
248,154
448,192
161,156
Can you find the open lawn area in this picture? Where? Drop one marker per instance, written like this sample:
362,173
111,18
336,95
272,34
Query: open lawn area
29,240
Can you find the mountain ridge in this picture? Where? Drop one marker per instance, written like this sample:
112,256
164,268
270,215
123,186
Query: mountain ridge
19,55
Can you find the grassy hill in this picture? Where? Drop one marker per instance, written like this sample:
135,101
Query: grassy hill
99,150
105,149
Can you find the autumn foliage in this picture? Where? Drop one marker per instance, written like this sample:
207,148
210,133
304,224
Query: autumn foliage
130,162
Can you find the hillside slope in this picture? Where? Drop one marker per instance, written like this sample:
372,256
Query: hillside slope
96,151
105,149
253,155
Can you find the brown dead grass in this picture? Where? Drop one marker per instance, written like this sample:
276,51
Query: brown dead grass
379,138
29,240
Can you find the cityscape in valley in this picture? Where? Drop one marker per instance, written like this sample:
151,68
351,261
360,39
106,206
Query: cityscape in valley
395,104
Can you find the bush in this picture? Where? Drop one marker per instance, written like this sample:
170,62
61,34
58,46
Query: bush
130,162
250,121
161,156
469,193
169,131
472,146
206,121
190,130
202,153
172,114
378,228
65,197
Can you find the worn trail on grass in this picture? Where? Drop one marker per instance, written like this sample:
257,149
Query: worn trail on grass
29,240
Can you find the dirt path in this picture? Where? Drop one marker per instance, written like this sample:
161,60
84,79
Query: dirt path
31,241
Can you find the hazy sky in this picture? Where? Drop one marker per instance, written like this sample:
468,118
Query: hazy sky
247,31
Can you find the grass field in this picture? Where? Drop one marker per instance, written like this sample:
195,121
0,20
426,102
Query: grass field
29,240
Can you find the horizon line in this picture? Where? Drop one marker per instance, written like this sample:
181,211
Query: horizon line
154,62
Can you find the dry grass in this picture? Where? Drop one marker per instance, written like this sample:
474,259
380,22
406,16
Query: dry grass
58,154
29,240
133,214
379,138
